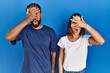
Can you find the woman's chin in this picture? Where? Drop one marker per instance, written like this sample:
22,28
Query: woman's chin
76,33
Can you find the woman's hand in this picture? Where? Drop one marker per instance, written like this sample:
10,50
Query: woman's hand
80,23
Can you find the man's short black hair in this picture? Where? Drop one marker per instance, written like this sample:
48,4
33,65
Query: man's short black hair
33,5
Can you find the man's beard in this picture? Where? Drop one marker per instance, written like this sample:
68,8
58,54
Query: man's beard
39,22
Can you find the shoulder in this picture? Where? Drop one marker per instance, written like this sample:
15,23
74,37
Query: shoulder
51,30
63,38
86,37
61,42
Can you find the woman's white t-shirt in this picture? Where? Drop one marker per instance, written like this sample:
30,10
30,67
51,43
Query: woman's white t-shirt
75,53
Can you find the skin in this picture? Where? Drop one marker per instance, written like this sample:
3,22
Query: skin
76,24
33,15
35,12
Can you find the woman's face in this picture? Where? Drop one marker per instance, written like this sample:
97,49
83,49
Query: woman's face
75,28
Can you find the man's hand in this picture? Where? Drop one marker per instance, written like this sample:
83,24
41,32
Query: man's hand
31,15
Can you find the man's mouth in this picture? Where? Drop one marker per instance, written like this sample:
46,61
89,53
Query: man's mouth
35,21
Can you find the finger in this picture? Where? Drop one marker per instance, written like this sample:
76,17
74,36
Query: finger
76,22
82,19
74,18
33,11
71,20
36,10
27,11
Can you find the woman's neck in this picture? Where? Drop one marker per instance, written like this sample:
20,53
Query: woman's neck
73,38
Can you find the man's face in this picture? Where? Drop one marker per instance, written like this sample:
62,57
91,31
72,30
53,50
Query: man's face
36,21
76,29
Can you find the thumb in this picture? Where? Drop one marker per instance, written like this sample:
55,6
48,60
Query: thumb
82,18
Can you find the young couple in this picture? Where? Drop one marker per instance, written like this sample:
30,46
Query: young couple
40,45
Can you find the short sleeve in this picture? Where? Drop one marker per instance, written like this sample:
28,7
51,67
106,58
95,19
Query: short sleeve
86,39
61,42
18,38
53,42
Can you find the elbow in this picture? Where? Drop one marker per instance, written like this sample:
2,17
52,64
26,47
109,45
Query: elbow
9,38
102,42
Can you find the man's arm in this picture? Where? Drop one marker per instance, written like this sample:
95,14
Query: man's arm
12,34
53,61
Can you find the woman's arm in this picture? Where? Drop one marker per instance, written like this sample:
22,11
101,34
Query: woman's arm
60,60
95,38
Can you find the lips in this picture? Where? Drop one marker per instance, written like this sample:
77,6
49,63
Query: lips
75,30
35,21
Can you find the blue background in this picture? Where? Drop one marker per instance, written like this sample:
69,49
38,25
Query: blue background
56,14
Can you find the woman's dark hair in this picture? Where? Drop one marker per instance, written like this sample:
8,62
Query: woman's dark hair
70,31
33,5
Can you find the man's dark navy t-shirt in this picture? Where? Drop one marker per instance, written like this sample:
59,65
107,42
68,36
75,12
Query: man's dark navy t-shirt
38,45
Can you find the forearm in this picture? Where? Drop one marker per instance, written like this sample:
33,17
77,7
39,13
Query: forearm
60,66
12,34
61,60
53,61
98,38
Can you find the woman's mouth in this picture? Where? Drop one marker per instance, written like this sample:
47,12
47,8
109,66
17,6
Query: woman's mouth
75,30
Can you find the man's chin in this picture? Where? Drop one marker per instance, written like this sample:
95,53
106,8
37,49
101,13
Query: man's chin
35,25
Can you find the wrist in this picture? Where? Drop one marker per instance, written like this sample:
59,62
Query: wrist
86,25
27,20
53,71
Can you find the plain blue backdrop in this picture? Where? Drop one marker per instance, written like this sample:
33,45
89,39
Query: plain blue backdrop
56,14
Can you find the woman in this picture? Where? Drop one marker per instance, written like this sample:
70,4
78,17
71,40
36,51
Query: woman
74,46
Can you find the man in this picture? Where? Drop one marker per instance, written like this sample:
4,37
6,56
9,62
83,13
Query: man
39,42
